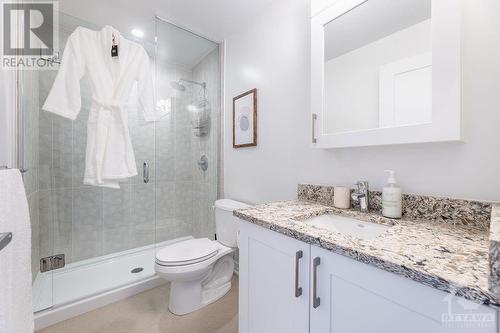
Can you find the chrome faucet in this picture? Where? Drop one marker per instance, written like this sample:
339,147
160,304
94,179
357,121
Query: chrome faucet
361,195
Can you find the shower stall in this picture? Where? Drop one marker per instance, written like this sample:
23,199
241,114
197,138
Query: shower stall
90,243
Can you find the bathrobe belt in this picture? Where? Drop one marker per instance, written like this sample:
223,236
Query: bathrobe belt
108,110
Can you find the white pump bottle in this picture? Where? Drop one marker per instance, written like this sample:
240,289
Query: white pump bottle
392,206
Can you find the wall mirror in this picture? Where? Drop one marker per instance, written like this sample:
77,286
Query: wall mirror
385,72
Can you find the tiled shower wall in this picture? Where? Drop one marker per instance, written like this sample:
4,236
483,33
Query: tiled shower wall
205,184
208,70
185,193
84,222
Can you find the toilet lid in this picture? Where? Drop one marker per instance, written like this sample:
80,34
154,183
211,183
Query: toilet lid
187,252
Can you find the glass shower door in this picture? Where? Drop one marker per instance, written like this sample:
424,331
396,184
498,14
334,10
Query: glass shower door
187,139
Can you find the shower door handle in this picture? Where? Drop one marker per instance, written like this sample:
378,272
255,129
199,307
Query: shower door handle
145,172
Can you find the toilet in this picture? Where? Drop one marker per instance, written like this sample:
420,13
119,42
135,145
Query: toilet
200,269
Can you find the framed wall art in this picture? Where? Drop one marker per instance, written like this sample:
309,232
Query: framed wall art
245,119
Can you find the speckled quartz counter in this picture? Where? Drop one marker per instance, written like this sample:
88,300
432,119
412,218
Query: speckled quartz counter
495,250
451,258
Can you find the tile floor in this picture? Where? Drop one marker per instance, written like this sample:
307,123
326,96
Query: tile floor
147,313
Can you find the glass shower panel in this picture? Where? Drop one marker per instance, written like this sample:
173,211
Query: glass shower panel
42,241
106,235
50,171
188,81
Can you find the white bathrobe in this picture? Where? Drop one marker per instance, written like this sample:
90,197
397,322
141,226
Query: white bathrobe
109,155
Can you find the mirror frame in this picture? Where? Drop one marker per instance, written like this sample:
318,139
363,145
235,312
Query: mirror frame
446,83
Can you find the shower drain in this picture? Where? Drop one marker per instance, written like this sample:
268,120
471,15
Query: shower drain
137,270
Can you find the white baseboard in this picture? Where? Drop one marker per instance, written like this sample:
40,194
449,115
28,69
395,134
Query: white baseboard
55,315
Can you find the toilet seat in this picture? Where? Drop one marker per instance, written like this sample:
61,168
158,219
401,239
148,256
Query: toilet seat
187,252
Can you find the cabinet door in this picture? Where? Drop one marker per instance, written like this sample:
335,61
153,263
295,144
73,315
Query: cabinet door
359,298
274,282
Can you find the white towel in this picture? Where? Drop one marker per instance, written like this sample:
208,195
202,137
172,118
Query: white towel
16,310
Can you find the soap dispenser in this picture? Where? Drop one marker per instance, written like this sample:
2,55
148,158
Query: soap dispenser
392,206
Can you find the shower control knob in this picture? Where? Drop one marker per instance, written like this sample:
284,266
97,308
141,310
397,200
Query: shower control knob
203,163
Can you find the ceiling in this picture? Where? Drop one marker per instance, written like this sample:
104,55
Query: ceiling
371,21
174,45
180,47
209,18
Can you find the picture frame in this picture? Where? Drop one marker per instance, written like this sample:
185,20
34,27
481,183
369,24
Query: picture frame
245,119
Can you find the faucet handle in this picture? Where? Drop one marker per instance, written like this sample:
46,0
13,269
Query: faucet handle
362,185
363,195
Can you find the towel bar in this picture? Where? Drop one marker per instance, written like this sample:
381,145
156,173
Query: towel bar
5,239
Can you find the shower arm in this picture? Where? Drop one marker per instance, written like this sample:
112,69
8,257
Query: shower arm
203,85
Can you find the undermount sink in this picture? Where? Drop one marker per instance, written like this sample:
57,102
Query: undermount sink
347,225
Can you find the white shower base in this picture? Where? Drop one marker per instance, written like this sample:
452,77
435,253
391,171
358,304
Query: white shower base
85,285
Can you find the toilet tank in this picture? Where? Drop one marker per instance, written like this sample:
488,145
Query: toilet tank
226,225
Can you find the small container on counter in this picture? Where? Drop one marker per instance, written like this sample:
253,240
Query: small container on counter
342,197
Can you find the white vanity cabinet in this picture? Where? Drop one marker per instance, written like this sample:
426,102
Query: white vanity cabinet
339,294
358,298
274,282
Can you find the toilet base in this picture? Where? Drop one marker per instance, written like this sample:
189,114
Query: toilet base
189,296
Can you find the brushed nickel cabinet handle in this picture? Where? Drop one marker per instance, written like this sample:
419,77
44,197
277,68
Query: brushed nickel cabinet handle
298,290
314,117
316,299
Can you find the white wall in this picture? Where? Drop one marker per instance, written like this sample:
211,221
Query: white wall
7,121
272,54
352,79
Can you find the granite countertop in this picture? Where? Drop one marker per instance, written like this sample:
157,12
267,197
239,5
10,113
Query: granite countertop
451,258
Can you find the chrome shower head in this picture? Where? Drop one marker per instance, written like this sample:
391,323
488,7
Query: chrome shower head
201,84
177,86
